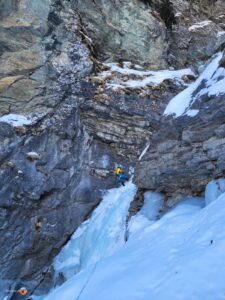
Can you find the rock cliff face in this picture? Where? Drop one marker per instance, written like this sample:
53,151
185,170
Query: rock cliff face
43,197
84,118
186,152
41,51
154,33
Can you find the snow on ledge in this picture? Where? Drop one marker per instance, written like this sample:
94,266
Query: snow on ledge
16,120
213,81
220,33
199,25
192,112
133,76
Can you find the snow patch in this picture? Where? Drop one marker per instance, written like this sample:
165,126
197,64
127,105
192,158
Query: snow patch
150,211
199,25
119,76
153,203
220,33
138,223
17,120
192,112
105,161
213,190
32,155
212,81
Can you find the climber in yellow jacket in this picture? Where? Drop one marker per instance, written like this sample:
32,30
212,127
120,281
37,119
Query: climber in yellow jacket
121,176
118,171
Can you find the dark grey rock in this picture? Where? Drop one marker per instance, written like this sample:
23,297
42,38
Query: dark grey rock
191,157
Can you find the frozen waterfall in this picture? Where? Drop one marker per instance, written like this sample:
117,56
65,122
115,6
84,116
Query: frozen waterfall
177,257
99,236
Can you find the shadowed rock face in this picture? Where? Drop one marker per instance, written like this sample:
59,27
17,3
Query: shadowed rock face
53,172
185,152
45,198
42,201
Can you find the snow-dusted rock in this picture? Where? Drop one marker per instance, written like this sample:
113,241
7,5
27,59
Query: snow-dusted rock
213,190
210,83
33,156
188,151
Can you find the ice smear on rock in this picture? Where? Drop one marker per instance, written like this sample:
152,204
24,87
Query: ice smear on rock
213,190
150,212
144,152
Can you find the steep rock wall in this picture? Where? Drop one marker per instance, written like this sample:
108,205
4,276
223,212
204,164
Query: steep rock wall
41,55
42,199
154,33
186,152
124,30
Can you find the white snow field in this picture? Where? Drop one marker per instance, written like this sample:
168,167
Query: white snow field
179,257
212,82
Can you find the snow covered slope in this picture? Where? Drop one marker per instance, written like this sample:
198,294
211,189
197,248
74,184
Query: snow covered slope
211,82
179,257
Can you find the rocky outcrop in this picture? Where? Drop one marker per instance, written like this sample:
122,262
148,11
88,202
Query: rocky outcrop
186,152
154,33
124,30
41,55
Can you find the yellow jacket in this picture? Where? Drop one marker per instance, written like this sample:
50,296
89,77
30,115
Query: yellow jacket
118,171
